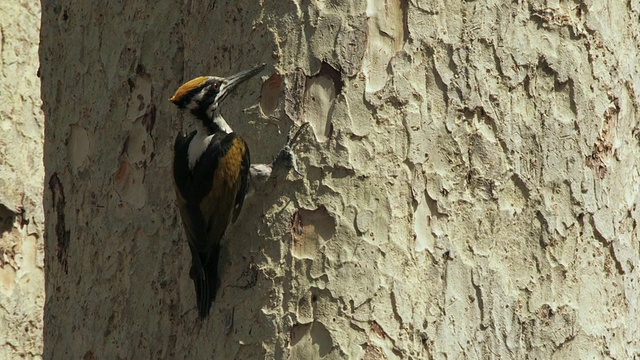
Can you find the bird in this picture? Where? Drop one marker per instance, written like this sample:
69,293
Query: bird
211,173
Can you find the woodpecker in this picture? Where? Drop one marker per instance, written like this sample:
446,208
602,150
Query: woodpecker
210,170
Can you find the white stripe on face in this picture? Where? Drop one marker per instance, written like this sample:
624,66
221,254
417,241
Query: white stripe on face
197,98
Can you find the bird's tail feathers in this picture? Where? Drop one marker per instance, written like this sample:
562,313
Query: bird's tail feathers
205,277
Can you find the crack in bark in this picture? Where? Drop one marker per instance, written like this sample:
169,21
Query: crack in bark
63,235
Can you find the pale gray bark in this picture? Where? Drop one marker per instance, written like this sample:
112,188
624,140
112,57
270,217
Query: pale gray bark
21,177
469,184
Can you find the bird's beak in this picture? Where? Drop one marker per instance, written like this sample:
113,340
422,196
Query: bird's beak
231,82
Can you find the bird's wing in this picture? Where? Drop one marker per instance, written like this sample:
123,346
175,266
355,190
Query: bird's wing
244,182
228,156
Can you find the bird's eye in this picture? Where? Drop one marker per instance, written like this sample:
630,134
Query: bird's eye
216,86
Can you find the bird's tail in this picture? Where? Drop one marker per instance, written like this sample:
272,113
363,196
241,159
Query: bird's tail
204,273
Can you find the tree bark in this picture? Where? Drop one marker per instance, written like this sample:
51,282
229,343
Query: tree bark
469,180
21,177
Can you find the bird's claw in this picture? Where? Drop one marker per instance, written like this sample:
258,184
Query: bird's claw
286,156
292,140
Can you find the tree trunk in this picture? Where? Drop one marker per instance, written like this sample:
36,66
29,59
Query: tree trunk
469,180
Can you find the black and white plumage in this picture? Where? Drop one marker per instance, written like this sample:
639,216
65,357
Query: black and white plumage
211,170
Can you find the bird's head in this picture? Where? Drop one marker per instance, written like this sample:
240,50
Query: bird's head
203,95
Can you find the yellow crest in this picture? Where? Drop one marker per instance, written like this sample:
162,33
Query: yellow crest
188,87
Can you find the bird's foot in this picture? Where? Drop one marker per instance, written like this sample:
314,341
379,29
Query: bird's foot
285,160
286,157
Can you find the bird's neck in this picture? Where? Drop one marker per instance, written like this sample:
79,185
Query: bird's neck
206,127
209,124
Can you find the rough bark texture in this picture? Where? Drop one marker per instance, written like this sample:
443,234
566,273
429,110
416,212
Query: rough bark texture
469,184
21,176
